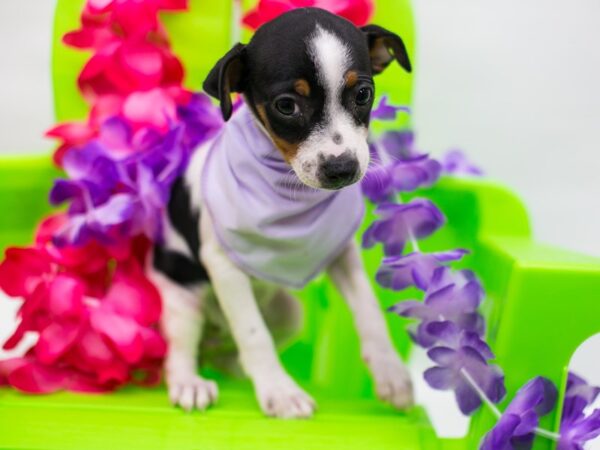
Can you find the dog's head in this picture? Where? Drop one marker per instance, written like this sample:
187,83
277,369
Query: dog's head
308,77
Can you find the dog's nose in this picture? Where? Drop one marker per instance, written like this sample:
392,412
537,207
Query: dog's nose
336,172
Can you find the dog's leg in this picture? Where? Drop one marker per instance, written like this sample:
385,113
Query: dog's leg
391,375
277,393
182,322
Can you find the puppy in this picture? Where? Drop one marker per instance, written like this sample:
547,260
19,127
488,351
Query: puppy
271,202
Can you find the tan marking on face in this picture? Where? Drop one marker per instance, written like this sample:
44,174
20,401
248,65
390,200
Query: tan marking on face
287,149
351,79
302,87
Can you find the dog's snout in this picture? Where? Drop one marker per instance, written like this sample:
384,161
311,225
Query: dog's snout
336,172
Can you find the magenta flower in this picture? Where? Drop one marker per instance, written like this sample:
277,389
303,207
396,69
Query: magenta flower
414,269
96,327
515,429
385,111
576,428
358,11
401,223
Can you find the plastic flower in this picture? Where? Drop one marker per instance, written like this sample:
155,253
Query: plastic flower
452,299
515,429
72,134
401,176
576,428
201,118
456,162
100,17
399,145
400,223
461,365
414,269
95,332
574,434
357,11
386,111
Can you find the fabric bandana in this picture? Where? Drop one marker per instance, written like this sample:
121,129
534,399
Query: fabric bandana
270,224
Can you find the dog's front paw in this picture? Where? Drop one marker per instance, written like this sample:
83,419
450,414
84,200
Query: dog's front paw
280,396
392,379
192,392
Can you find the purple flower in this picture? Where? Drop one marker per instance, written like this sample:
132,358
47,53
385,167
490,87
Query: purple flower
414,269
419,171
400,223
574,435
461,367
385,111
109,195
576,428
450,334
381,181
105,223
399,145
448,309
578,388
456,162
377,183
201,120
515,429
150,200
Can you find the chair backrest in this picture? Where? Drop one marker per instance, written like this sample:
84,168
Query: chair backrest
200,37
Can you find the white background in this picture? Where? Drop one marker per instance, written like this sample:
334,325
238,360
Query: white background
515,83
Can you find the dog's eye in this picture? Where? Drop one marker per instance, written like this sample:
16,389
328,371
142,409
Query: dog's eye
287,106
363,96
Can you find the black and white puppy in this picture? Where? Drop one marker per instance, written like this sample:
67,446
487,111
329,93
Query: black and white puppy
307,78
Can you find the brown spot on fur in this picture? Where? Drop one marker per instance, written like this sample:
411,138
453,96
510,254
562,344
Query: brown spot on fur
287,149
351,79
302,87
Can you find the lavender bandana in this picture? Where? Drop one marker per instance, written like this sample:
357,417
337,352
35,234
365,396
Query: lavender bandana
270,224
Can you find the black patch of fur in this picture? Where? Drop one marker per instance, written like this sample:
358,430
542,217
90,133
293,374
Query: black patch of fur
184,219
184,216
178,267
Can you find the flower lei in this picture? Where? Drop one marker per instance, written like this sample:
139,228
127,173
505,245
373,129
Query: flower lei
447,322
82,281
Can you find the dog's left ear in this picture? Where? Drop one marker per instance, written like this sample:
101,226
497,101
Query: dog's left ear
226,77
384,47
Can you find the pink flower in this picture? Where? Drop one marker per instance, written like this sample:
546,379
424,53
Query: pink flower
101,20
357,11
96,327
72,134
125,66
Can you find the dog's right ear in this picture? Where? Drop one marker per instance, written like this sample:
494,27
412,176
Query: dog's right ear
226,77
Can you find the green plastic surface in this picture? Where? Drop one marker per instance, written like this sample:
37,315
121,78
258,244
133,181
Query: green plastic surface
529,287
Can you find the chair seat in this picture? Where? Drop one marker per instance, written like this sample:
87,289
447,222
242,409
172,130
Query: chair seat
143,419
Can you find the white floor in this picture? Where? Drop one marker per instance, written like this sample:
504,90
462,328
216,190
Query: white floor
514,83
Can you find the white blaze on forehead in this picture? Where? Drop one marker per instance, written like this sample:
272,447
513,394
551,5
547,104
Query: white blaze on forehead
332,59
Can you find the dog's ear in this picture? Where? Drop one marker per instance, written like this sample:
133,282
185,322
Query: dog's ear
384,47
226,77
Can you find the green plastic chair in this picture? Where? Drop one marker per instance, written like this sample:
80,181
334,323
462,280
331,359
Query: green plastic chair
528,286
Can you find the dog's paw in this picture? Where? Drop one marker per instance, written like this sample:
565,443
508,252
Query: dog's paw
392,379
192,392
280,396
